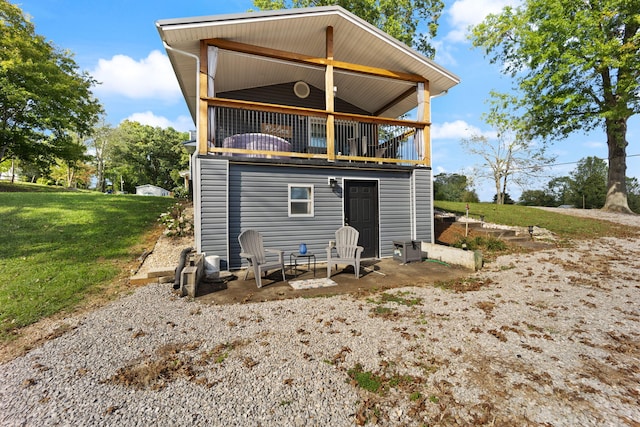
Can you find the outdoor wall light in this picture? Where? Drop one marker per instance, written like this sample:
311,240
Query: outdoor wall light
333,182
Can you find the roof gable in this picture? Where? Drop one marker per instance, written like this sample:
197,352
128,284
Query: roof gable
302,31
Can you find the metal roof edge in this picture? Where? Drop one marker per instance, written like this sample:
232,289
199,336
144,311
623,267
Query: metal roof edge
248,15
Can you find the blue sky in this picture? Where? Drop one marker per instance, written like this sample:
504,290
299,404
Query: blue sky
117,42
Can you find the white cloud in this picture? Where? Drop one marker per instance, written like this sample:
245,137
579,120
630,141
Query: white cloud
444,53
150,77
465,13
455,130
181,124
595,144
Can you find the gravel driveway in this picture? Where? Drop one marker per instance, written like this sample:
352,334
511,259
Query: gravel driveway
544,338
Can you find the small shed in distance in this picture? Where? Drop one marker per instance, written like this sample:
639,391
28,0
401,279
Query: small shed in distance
151,190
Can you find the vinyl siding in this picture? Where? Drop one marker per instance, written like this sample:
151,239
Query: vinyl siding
263,205
258,199
395,211
423,204
214,214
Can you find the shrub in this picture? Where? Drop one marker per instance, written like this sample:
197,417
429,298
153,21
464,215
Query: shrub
181,193
479,243
176,222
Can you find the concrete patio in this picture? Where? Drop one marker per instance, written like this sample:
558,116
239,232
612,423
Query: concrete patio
375,275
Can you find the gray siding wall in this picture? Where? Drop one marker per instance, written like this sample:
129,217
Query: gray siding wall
395,210
258,199
423,204
214,213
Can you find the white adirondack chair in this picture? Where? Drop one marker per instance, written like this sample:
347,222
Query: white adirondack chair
254,251
346,249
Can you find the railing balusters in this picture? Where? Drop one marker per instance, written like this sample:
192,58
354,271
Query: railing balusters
358,139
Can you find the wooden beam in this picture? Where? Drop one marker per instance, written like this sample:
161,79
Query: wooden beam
329,43
312,60
251,105
371,162
396,101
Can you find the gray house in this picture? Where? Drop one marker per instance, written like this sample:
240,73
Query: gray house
302,127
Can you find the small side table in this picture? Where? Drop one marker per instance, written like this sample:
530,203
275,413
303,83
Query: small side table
293,258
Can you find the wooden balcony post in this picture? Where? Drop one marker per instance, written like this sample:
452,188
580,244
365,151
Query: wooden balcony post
425,110
329,96
203,106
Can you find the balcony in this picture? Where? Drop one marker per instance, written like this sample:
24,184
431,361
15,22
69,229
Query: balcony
258,130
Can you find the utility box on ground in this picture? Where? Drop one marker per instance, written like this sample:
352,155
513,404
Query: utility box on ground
407,250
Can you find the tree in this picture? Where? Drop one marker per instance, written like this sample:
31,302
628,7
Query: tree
453,187
504,197
71,163
449,186
560,189
588,183
142,154
398,18
633,187
71,174
10,167
43,96
576,66
510,156
536,198
98,143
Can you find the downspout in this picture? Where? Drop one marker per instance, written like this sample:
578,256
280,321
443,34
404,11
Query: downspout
197,58
196,182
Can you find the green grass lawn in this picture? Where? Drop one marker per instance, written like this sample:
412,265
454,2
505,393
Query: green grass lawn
58,247
565,226
6,186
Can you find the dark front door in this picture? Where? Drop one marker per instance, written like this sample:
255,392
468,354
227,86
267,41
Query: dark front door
361,212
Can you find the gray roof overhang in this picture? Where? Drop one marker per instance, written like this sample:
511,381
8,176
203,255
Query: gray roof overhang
302,31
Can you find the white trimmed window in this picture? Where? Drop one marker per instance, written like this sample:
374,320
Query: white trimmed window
300,200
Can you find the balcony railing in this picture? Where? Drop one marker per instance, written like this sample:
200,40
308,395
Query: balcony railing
245,129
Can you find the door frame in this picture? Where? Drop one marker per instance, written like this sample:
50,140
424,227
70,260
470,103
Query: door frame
376,182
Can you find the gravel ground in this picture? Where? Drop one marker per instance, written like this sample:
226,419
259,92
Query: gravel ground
544,338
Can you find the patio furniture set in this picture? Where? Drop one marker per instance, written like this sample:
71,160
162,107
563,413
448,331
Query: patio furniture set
343,251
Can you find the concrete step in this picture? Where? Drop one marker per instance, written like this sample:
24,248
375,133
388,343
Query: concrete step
497,233
479,229
517,239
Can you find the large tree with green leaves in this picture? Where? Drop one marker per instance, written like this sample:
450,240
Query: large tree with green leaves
576,64
633,187
398,18
43,95
140,154
72,160
98,144
588,184
453,187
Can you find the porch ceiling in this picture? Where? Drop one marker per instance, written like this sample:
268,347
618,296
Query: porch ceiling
301,31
